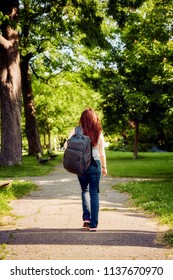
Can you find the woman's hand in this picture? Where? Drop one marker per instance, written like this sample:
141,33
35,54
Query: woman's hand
104,171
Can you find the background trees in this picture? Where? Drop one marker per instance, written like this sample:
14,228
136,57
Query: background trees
59,104
46,27
111,55
139,91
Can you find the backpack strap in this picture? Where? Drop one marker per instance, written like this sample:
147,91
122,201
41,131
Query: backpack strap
78,130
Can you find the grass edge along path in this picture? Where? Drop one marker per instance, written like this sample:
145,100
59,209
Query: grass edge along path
14,190
154,195
17,189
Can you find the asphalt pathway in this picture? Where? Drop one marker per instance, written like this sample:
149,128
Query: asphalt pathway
49,225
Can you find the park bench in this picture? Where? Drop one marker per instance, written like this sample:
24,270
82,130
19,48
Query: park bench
51,155
41,159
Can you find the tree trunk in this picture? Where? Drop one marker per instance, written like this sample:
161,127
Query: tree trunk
31,127
136,127
10,90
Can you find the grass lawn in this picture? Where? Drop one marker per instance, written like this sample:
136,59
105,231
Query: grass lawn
30,167
148,165
154,196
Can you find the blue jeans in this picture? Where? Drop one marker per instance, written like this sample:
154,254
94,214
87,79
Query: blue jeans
90,193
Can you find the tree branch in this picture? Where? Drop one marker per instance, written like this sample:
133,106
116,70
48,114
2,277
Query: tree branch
37,76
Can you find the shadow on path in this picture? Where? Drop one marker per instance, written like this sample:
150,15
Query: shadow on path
79,237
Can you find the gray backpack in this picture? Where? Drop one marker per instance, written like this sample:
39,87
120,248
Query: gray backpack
78,154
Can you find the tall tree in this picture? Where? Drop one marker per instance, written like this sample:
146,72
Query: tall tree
10,85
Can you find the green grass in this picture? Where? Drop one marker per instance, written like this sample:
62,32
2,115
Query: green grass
153,196
15,190
148,165
3,251
30,167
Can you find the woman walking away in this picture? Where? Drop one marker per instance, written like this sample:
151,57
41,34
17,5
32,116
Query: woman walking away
90,180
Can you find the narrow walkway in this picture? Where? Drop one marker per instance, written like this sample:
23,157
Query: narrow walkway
50,222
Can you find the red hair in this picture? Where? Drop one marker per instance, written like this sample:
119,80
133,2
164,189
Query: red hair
91,125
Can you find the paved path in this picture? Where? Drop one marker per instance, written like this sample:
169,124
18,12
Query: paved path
49,226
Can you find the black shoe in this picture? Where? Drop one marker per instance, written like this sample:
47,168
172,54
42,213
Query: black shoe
86,225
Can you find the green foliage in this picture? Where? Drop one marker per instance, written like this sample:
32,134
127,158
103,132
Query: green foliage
139,87
60,102
57,37
89,17
120,9
40,23
47,24
3,18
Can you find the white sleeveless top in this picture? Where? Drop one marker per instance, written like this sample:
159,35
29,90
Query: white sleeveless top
95,151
